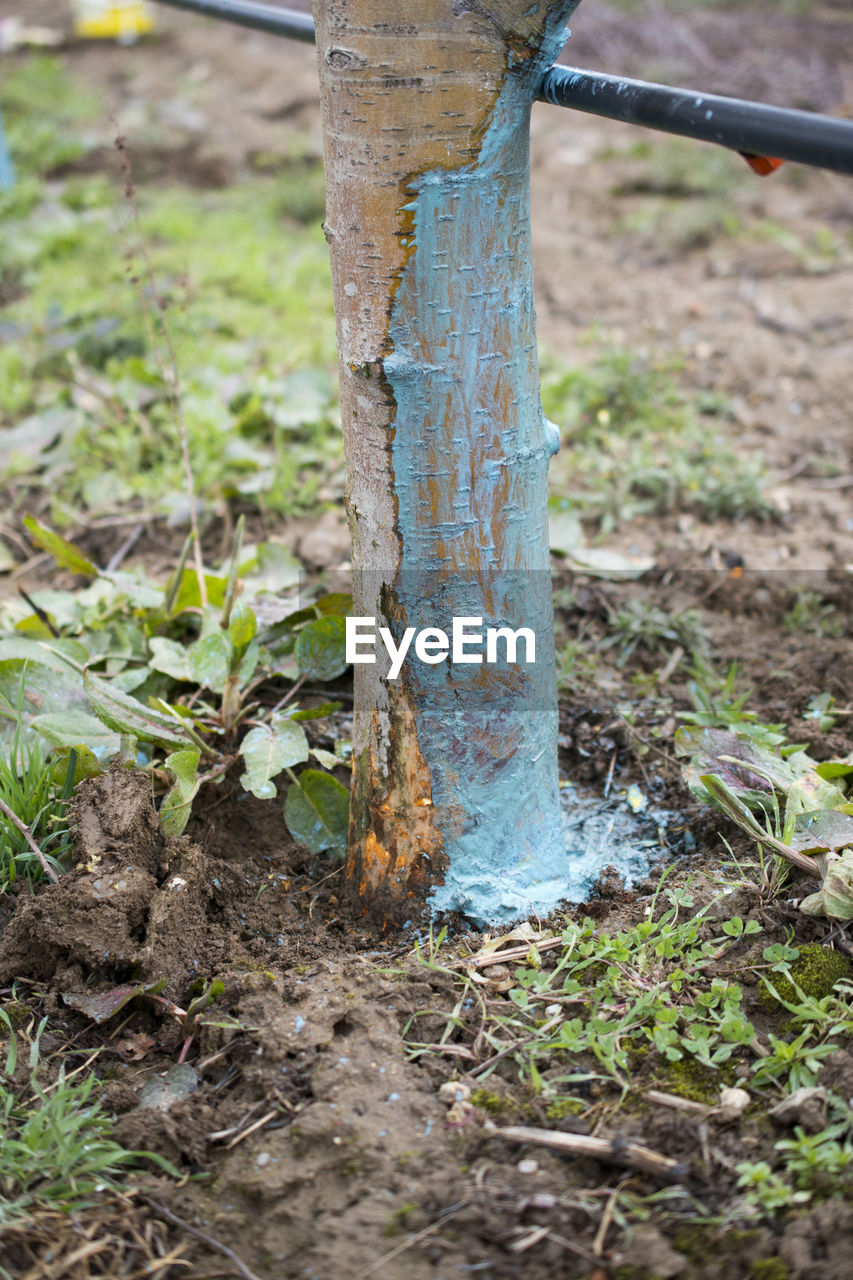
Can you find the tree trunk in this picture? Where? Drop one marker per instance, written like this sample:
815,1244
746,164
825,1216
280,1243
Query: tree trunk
426,113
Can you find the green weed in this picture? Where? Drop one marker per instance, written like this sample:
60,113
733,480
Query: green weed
57,1150
247,291
809,1166
608,997
577,663
677,168
810,614
643,625
789,803
169,675
46,115
37,790
718,705
634,444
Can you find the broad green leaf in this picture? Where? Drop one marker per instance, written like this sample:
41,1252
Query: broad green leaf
51,653
33,627
321,648
169,657
327,759
210,660
45,691
248,663
138,593
243,626
119,639
275,569
86,764
811,792
177,804
188,595
74,728
334,603
338,603
267,750
317,812
316,713
753,772
64,553
284,665
127,714
835,896
823,831
835,768
131,679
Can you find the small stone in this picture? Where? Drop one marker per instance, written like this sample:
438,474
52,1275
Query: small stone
528,1166
733,1103
263,1159
542,1200
461,1114
454,1091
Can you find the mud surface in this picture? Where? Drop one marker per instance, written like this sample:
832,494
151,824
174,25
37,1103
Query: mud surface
325,1151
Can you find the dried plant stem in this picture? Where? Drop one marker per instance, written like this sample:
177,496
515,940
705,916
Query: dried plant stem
28,836
209,1240
168,368
608,1150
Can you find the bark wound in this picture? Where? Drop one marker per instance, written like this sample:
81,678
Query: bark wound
440,461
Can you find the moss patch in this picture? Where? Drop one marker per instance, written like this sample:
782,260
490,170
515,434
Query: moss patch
769,1269
564,1107
690,1079
815,971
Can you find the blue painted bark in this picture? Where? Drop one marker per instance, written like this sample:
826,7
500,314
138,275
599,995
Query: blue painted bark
455,777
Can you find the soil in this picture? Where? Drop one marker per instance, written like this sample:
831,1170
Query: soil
311,1146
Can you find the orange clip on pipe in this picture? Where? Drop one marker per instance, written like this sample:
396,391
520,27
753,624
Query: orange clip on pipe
762,165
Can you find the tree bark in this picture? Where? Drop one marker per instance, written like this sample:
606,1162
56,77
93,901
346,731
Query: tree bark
426,109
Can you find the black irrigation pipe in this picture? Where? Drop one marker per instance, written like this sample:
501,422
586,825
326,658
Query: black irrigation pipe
749,127
255,15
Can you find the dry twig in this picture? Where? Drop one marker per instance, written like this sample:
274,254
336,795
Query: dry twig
168,368
620,1151
28,836
210,1241
678,1103
508,954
